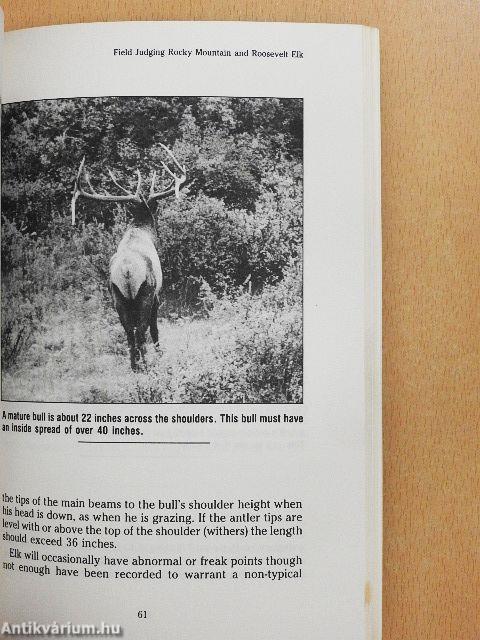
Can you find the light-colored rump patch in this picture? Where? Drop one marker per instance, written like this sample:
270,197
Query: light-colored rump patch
135,261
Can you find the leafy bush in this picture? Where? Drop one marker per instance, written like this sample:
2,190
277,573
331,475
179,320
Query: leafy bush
201,240
228,145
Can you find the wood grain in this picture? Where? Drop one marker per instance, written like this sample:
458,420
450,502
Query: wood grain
431,233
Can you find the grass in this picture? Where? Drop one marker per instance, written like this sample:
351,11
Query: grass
243,350
82,357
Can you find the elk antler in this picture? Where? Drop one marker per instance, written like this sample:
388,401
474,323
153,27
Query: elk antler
177,179
177,173
92,195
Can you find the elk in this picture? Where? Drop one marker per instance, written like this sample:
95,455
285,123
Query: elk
135,270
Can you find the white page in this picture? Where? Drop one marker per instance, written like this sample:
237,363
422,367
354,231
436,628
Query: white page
320,463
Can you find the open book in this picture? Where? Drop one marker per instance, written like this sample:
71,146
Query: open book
191,331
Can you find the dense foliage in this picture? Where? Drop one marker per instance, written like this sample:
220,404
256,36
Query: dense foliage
230,247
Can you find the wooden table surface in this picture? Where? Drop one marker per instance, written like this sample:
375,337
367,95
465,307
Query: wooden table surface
430,62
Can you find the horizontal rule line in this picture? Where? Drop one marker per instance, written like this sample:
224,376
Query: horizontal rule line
140,442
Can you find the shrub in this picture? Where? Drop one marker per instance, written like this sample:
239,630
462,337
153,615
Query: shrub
202,241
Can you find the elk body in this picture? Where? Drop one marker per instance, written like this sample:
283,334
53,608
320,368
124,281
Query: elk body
135,270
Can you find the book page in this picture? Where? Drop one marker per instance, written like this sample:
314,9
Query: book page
187,347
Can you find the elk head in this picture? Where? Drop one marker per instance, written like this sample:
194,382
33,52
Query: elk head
135,270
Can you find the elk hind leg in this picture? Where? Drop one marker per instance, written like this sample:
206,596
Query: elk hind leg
124,310
153,322
133,349
144,303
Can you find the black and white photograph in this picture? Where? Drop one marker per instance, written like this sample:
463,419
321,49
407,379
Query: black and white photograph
152,250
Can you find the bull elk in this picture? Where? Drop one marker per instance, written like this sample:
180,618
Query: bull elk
135,270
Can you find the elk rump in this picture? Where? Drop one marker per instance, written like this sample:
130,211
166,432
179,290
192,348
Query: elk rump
136,280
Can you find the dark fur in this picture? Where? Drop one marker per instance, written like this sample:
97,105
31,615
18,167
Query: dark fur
137,316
